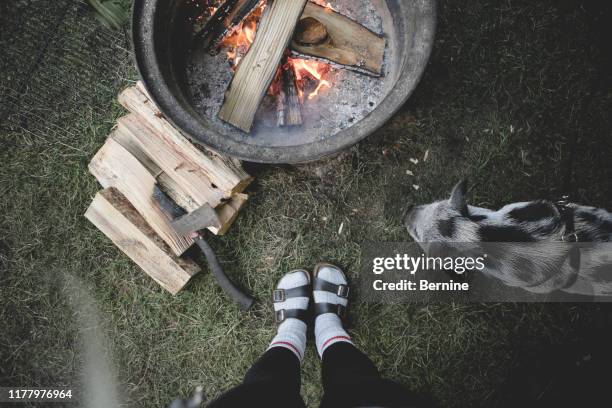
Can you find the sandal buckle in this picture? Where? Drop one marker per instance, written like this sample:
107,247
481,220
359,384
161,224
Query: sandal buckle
343,291
279,295
279,316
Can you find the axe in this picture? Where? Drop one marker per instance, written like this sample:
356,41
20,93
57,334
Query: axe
193,224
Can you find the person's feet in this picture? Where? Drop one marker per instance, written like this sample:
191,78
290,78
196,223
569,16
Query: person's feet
291,299
330,294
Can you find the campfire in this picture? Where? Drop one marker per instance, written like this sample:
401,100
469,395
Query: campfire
308,39
296,81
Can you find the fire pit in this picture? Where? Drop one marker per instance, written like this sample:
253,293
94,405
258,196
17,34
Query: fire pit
338,105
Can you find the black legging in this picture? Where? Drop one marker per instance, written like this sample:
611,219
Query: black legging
350,379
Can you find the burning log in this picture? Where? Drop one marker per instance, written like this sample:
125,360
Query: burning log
285,91
293,109
309,77
325,34
222,22
257,69
280,107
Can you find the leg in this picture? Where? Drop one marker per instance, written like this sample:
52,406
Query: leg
274,380
343,362
350,379
277,365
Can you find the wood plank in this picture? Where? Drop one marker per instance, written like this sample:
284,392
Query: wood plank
165,182
172,189
257,69
114,166
226,173
225,166
293,107
347,42
188,176
112,214
229,212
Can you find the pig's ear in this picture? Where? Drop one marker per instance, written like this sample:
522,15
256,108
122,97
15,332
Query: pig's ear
457,199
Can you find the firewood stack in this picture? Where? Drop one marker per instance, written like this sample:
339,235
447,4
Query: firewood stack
145,154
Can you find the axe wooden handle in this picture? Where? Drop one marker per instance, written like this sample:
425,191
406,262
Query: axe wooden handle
173,211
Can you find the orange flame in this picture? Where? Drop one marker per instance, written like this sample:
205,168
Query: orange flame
314,69
239,42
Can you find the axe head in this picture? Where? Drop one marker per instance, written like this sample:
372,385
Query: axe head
182,222
197,220
167,205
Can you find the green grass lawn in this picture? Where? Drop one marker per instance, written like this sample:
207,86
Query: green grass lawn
506,88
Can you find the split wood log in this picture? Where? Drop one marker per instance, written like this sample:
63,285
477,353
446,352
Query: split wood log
222,23
224,172
112,214
277,91
229,212
165,182
327,35
257,69
187,175
280,107
293,107
114,166
225,211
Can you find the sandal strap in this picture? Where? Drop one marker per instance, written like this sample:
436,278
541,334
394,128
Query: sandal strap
280,295
322,308
282,314
326,286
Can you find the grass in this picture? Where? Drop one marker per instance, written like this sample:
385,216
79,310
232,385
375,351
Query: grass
507,86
